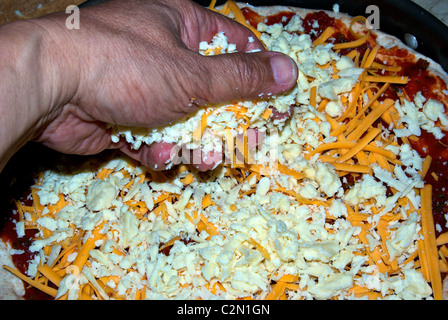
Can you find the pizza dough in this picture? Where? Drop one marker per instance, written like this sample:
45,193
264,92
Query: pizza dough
11,287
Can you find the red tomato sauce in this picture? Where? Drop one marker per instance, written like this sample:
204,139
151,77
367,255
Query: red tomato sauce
8,233
314,24
254,18
420,77
438,150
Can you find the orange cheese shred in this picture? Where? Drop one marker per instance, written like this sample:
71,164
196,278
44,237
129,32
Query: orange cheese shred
351,167
48,290
442,239
370,58
169,243
277,291
313,96
239,16
50,274
355,20
197,134
352,44
204,224
329,31
289,278
360,145
266,114
425,166
430,242
212,5
84,252
260,248
370,119
388,79
290,172
376,65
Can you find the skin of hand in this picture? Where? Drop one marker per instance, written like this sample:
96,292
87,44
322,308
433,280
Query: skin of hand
133,63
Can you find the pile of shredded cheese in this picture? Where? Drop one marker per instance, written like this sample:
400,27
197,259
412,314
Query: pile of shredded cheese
333,207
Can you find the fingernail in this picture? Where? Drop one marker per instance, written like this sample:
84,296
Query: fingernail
284,69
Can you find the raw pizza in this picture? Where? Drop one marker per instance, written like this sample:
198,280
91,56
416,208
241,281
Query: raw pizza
342,197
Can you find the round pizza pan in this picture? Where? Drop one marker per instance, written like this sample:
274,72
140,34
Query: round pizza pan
397,17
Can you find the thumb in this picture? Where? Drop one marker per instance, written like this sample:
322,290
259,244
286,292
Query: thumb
238,76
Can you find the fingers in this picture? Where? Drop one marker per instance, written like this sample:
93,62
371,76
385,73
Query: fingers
162,156
157,156
239,76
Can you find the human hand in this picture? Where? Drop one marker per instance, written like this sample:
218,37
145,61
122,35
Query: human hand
136,63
